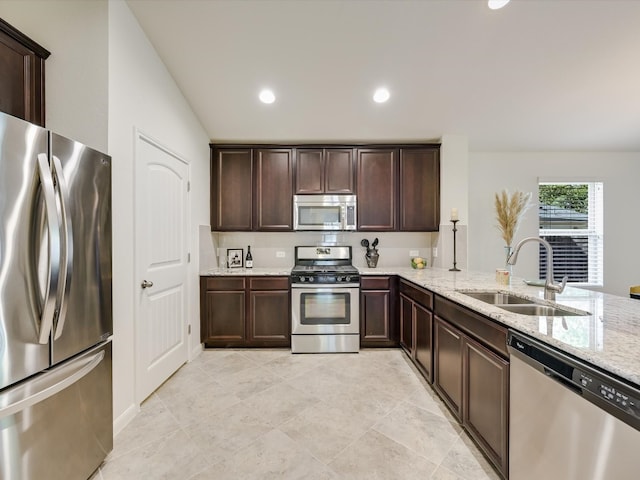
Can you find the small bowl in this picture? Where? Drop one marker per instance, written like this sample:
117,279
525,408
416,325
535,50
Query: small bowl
418,263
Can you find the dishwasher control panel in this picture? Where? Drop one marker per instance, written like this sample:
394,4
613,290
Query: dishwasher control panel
613,395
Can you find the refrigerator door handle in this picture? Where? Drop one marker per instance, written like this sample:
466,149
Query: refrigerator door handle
53,234
66,262
49,386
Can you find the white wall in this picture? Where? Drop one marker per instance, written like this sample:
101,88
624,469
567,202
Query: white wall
143,96
76,81
454,179
620,172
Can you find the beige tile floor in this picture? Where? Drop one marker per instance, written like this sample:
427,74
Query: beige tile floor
268,414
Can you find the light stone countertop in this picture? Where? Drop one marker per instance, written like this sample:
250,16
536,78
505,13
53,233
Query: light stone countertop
221,272
609,337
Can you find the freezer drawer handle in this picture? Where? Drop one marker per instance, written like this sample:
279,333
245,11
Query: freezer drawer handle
53,232
146,284
48,390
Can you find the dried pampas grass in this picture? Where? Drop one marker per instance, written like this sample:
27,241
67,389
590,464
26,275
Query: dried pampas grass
509,211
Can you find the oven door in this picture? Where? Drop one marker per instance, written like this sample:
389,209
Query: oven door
325,309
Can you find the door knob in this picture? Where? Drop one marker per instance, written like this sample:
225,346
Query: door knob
146,284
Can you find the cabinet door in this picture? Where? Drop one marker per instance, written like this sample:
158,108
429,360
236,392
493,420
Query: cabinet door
339,171
406,324
419,189
223,319
22,86
274,189
374,312
424,339
377,179
231,189
329,170
269,318
309,170
486,400
447,353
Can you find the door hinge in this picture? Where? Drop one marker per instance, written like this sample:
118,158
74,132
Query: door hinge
188,257
188,186
189,329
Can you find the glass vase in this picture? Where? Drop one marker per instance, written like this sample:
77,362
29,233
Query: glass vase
508,250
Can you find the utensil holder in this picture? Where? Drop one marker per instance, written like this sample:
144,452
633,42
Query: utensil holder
372,260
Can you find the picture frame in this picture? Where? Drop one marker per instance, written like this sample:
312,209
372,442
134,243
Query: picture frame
235,257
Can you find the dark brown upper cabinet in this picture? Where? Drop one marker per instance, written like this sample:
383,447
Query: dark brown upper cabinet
273,202
231,189
377,171
398,186
419,190
251,188
325,170
22,81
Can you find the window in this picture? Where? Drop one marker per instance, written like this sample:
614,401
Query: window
571,221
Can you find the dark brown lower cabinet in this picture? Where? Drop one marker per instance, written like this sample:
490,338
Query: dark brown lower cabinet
447,379
473,381
416,326
486,401
222,310
269,306
378,319
406,325
245,312
424,340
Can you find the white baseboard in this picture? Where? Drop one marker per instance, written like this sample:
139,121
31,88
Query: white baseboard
197,350
124,419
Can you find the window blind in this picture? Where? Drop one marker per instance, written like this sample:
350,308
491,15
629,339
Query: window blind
571,220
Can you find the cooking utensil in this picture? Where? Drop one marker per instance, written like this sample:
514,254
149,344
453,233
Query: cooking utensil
365,243
375,243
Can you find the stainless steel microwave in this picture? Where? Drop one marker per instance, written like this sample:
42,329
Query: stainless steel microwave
324,212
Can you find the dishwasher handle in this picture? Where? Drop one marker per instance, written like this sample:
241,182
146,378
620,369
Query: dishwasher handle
541,358
561,380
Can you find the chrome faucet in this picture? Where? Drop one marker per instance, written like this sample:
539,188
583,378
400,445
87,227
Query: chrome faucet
550,288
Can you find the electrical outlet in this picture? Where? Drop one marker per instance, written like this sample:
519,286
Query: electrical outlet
280,254
435,252
414,253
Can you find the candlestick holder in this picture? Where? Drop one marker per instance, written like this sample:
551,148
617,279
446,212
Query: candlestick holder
454,269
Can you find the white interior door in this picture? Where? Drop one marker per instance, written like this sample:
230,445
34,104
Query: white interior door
162,182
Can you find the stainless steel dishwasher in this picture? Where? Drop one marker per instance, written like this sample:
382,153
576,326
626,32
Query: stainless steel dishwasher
569,420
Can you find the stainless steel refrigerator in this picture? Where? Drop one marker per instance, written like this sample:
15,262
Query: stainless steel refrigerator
56,413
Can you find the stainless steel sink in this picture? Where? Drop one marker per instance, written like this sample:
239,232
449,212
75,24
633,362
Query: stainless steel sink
521,305
541,310
498,298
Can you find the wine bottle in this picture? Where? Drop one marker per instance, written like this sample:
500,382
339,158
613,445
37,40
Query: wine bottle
248,261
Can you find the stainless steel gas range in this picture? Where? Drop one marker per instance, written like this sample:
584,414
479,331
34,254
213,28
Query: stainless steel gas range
325,301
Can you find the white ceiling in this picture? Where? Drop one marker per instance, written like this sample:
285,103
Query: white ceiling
555,75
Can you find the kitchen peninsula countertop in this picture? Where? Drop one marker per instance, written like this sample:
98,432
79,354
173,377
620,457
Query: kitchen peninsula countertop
609,337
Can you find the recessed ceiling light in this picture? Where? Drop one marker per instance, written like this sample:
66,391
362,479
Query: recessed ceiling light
381,95
267,96
496,4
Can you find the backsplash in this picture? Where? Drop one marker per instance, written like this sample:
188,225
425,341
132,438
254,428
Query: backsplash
267,247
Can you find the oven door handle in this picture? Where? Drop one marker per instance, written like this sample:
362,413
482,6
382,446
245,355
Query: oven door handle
325,286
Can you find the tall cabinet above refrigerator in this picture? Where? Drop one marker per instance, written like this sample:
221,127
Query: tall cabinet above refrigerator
55,305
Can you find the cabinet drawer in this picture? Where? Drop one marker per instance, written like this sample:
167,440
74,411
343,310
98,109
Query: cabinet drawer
226,283
417,294
375,283
269,283
480,328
